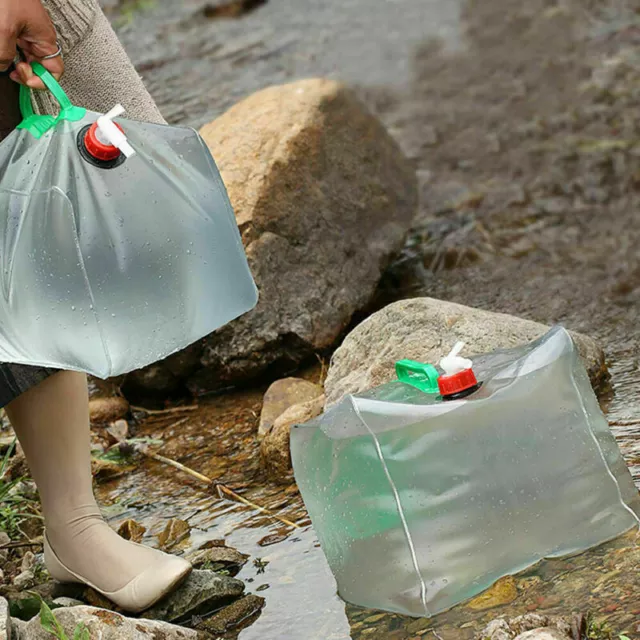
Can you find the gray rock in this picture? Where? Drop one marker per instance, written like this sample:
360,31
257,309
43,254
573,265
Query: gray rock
323,197
534,621
5,620
68,602
544,633
24,580
223,557
28,561
4,540
105,625
498,630
233,615
203,590
424,329
534,626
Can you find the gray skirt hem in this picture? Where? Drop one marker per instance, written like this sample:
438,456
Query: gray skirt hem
15,379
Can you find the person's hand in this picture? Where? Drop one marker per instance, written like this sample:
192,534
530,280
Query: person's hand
26,24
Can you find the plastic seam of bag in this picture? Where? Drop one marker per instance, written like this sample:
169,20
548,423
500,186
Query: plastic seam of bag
8,276
88,284
585,413
396,496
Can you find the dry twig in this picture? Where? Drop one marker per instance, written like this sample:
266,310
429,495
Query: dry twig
221,489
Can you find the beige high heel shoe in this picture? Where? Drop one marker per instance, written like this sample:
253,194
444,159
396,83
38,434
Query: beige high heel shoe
139,594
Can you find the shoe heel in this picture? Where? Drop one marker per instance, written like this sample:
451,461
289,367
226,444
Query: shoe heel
57,570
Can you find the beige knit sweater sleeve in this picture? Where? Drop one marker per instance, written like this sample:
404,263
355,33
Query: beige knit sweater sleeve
73,19
98,73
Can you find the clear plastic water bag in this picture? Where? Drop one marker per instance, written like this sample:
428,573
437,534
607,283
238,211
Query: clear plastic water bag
421,503
118,244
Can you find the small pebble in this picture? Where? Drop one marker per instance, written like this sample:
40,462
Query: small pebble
28,561
24,580
4,540
68,602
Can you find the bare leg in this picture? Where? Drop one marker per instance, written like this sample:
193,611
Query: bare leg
51,421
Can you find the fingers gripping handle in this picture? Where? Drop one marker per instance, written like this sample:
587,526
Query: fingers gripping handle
37,124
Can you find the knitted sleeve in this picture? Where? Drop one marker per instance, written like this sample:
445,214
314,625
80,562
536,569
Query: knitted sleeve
72,18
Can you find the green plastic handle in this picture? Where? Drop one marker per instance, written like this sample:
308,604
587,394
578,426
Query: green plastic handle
421,376
36,124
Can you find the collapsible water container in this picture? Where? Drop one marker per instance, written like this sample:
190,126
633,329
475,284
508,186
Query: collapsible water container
425,491
118,244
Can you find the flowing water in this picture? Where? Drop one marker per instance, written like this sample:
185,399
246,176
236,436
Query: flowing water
522,121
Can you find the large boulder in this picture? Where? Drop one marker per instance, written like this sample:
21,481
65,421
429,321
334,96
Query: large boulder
323,197
424,329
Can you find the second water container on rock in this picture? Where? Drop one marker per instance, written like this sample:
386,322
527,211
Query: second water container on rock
421,503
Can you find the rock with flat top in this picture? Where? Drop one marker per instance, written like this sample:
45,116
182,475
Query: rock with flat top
425,329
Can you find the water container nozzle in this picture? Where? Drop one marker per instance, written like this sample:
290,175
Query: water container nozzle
112,134
458,377
454,363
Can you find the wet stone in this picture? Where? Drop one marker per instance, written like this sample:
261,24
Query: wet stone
175,532
233,615
504,591
203,591
218,559
24,580
131,530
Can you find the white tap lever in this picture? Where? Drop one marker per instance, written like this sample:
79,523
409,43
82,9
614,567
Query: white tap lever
109,133
454,363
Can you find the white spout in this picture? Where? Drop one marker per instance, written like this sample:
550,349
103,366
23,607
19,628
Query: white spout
109,133
454,363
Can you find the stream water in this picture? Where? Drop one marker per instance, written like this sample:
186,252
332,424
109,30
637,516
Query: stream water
525,143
